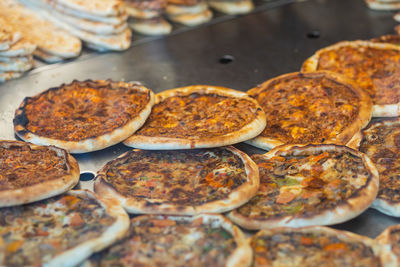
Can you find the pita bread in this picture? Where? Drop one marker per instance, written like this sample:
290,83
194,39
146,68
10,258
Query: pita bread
173,10
19,49
145,9
232,7
191,19
15,59
382,5
51,5
8,36
151,27
44,34
46,57
92,26
117,42
16,65
98,8
5,76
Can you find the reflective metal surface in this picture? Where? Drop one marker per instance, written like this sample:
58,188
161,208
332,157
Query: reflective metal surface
236,52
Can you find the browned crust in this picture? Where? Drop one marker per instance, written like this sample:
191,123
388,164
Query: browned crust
236,198
311,64
247,132
388,207
341,213
113,136
115,232
386,256
364,116
385,239
241,256
45,189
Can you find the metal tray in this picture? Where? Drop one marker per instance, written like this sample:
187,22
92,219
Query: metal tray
236,52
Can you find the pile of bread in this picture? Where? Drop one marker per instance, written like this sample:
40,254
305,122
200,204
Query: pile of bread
148,15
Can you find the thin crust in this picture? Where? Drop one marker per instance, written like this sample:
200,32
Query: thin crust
344,211
235,198
79,252
385,162
240,256
378,110
247,132
390,238
364,104
113,136
387,258
40,190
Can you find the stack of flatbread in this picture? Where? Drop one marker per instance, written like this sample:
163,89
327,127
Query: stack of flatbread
188,12
52,43
383,4
101,25
15,53
147,16
232,7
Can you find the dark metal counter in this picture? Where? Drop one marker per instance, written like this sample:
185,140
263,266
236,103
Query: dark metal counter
275,39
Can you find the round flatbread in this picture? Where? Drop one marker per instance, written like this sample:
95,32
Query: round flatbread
180,182
29,172
389,38
315,107
154,26
309,185
84,116
203,240
374,66
391,237
317,246
145,9
192,19
60,231
381,142
232,7
199,116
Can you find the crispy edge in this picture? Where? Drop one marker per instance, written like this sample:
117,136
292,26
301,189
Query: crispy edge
45,189
110,138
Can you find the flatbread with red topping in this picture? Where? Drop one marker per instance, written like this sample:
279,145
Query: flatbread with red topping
303,185
317,246
154,240
60,231
179,182
84,116
374,66
199,116
381,142
30,173
315,107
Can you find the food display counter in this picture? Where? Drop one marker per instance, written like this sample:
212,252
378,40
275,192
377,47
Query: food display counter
232,51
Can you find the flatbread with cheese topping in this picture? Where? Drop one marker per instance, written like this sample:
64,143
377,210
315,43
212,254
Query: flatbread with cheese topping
380,140
60,231
303,185
84,116
375,67
317,246
199,116
29,172
203,240
181,182
315,107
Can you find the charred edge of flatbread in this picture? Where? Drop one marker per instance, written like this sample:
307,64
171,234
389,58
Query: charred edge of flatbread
21,121
345,136
236,198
